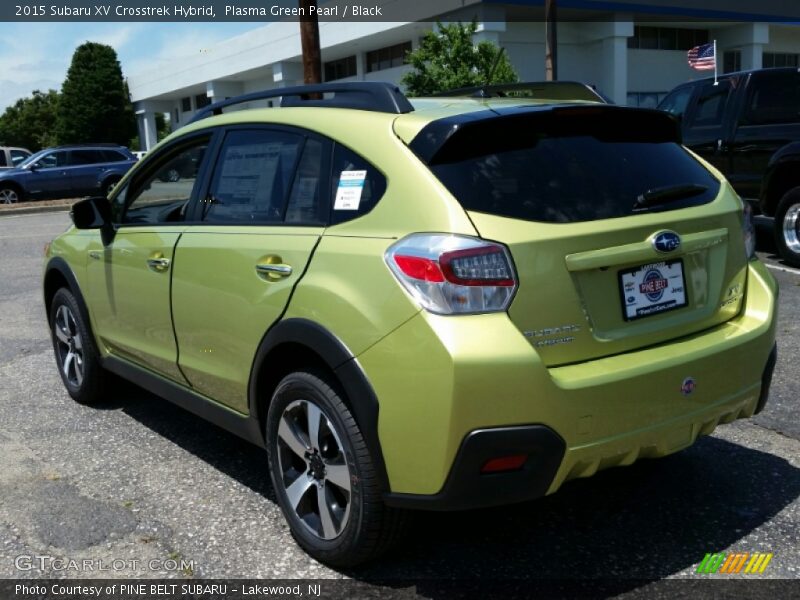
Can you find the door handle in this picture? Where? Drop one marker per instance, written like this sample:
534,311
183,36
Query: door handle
158,265
278,271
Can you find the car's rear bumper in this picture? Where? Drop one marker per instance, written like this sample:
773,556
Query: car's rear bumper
439,379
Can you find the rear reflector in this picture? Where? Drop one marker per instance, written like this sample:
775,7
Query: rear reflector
504,463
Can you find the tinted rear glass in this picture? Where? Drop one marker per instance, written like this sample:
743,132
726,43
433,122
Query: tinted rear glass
581,169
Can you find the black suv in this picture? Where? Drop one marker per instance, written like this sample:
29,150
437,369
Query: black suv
66,172
748,126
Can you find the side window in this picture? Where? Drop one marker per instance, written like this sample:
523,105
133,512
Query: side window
356,186
676,102
17,156
84,157
711,105
3,161
252,177
54,159
157,195
306,200
112,156
774,99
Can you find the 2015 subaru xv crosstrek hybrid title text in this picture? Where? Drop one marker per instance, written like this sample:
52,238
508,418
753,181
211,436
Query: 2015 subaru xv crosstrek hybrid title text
439,303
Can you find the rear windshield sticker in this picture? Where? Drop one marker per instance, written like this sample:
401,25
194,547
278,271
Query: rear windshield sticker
348,194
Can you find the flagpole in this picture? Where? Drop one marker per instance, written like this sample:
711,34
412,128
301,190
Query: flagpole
715,63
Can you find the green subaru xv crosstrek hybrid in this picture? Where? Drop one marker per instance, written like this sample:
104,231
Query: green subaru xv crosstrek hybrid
439,304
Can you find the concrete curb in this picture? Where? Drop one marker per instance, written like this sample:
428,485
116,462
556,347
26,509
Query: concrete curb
33,210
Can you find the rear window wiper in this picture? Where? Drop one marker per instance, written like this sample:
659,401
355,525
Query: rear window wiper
664,195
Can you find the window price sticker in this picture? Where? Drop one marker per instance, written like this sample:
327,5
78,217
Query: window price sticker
348,194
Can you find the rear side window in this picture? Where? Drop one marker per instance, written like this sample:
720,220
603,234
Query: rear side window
774,99
112,156
356,186
3,162
17,156
85,157
253,177
589,170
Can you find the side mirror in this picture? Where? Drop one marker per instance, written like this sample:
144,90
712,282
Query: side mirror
33,167
93,213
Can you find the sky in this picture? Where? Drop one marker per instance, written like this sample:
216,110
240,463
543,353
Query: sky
37,55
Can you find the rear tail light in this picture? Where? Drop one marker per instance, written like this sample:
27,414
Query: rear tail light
453,274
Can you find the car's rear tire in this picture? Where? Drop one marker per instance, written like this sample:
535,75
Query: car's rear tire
109,184
9,194
77,357
787,227
323,474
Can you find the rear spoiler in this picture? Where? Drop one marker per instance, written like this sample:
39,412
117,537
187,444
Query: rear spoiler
509,128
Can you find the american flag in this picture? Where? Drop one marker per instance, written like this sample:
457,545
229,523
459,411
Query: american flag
702,57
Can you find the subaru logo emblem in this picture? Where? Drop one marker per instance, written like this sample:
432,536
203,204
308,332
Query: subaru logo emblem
666,241
688,386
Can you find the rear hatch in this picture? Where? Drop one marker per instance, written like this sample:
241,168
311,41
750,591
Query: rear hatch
621,238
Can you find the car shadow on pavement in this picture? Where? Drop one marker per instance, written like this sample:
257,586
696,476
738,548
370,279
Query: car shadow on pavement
626,525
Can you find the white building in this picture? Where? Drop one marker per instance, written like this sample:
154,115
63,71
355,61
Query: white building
630,57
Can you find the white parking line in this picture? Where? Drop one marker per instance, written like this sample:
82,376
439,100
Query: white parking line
782,268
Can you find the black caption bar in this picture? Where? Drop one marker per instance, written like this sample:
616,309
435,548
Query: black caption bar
396,10
335,589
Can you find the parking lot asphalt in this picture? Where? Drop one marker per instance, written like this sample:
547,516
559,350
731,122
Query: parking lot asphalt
141,480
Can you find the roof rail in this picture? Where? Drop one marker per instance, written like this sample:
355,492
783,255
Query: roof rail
377,96
557,90
88,145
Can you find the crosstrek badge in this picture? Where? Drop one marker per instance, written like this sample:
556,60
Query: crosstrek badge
348,193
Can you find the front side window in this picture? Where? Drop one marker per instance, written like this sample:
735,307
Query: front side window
161,194
676,102
711,105
253,176
52,160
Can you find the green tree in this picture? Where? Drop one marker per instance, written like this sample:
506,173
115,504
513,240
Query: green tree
95,106
448,59
31,122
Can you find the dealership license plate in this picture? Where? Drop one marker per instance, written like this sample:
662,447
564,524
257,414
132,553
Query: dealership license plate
652,289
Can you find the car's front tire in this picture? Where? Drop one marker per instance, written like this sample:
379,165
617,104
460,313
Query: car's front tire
9,194
787,227
77,357
323,474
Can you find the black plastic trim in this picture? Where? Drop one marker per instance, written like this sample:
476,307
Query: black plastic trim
362,399
466,487
59,264
239,424
766,379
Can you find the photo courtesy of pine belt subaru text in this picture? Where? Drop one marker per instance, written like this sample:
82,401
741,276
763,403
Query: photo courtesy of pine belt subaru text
437,303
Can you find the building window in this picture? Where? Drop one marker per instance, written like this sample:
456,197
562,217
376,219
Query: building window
386,58
339,69
645,99
780,59
732,61
186,104
201,101
667,38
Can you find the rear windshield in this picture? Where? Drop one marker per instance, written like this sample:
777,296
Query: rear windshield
540,171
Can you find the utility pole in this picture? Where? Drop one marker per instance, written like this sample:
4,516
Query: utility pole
551,41
309,40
